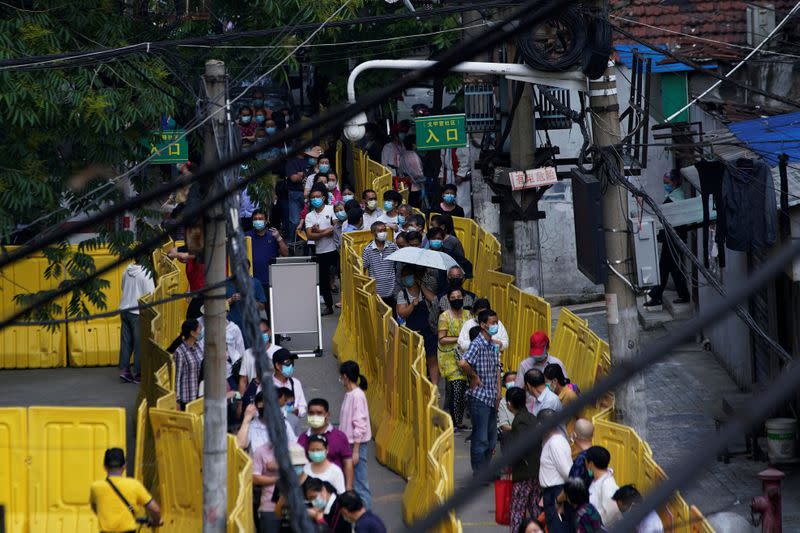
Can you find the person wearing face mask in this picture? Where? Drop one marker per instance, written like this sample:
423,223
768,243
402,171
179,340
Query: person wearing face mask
325,508
392,152
455,280
538,358
247,371
348,194
276,151
526,493
283,362
339,452
320,222
338,228
333,186
413,308
604,486
448,203
391,201
361,519
504,416
449,326
558,383
260,117
355,423
582,435
500,337
247,126
481,364
253,432
286,403
626,498
377,266
404,218
267,244
411,169
188,363
319,466
258,99
319,170
370,204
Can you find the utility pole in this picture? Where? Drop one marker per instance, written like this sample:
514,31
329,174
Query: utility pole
484,212
527,263
215,443
621,312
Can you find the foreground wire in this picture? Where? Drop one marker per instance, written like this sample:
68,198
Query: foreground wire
619,375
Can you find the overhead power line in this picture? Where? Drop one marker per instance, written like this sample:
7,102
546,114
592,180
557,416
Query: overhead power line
693,64
520,20
740,64
63,60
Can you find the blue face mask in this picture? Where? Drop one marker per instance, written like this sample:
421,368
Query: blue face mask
259,225
261,140
318,456
265,336
388,205
298,469
324,168
202,335
436,244
449,198
341,215
287,370
402,136
401,219
271,130
493,329
258,102
408,281
246,120
312,160
261,119
348,197
317,202
668,188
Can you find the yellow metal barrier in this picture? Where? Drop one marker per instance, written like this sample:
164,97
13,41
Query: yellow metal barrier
415,438
13,470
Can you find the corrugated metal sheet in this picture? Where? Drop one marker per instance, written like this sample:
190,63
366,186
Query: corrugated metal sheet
661,63
769,137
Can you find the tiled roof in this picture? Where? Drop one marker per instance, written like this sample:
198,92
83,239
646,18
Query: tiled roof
724,21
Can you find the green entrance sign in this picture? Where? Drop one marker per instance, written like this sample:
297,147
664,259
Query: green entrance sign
443,131
168,146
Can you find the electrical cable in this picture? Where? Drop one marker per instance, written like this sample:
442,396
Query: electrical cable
336,116
526,15
727,75
536,55
61,60
619,374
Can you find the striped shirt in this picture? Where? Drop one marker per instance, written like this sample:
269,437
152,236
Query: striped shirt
188,361
486,364
378,267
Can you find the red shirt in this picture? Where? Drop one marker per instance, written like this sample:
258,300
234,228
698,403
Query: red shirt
196,274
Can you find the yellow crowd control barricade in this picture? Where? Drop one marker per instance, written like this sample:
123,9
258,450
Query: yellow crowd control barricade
13,467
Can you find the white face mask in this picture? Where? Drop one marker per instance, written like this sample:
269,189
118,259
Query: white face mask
380,236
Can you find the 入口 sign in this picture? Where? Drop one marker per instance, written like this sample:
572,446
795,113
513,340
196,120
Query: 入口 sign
442,131
168,147
529,179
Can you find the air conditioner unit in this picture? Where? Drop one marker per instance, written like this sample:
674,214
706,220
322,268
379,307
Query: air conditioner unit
760,22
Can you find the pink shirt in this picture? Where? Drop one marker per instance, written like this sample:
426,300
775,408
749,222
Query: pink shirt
261,458
354,417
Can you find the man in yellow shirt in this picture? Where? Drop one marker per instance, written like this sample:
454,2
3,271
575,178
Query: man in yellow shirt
118,500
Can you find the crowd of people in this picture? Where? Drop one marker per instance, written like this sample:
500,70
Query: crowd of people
564,484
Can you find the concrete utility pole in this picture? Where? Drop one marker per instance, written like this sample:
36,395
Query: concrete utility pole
621,312
527,263
215,443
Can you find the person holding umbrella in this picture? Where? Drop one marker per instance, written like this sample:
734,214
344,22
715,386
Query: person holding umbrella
413,311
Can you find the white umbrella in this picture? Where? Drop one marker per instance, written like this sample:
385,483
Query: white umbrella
423,257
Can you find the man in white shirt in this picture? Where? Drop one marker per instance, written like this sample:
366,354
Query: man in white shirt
554,465
234,345
540,397
538,358
253,433
626,497
500,338
371,211
320,223
283,363
136,282
247,371
604,486
456,169
391,202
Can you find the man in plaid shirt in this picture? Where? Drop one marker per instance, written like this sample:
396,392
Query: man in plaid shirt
481,363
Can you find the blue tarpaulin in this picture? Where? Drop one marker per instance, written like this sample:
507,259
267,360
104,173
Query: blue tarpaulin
770,137
661,63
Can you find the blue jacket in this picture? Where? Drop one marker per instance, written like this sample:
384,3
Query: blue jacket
750,206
